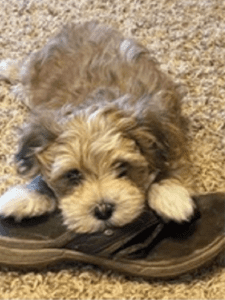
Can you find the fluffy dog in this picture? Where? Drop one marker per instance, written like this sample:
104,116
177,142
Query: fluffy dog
106,135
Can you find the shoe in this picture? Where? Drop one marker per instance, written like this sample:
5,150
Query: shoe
147,247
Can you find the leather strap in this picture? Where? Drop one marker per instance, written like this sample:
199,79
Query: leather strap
128,241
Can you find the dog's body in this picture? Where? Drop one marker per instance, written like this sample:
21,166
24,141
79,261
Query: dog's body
106,135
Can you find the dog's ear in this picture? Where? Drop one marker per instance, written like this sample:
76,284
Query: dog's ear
159,140
152,144
161,130
35,138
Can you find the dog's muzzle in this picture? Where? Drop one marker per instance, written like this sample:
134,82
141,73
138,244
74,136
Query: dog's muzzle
104,211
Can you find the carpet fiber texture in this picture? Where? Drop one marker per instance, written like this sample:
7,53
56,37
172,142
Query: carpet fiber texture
188,39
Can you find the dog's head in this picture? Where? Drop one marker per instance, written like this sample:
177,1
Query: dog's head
100,163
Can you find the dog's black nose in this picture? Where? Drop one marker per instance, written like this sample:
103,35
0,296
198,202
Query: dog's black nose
104,211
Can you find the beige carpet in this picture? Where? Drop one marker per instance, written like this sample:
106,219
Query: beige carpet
188,39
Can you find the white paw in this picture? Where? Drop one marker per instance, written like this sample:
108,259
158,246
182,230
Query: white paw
9,70
171,201
19,202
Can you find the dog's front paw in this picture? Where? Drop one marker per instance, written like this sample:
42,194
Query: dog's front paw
9,69
171,201
20,202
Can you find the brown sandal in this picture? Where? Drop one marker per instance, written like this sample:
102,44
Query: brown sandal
147,247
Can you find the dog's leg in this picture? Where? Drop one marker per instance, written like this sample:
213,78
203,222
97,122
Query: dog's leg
30,200
171,200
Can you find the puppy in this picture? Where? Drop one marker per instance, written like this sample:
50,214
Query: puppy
105,137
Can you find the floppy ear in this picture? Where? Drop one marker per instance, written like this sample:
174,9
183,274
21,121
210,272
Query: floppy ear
35,138
152,145
160,140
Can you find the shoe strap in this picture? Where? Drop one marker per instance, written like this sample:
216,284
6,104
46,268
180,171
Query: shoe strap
132,240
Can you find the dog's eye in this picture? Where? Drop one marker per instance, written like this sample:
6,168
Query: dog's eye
74,176
122,169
